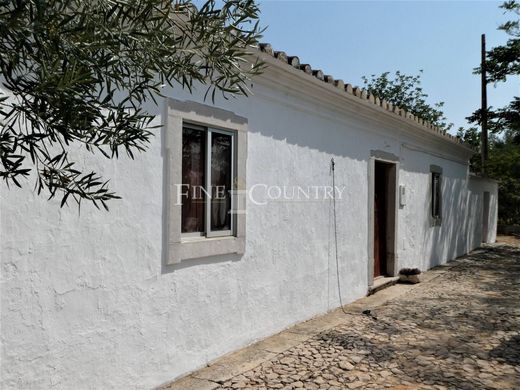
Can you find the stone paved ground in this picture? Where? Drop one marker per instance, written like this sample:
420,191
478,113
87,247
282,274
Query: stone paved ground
458,331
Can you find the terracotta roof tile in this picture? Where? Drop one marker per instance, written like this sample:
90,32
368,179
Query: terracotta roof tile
294,61
281,56
306,68
339,84
318,74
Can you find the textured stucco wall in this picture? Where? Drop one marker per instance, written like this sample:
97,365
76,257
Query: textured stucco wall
86,301
423,245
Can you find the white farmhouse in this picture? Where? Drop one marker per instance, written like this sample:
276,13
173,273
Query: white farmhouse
182,270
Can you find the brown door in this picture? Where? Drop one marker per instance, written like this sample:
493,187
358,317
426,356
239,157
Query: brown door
380,191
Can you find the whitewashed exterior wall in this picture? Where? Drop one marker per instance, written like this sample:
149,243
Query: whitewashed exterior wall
87,302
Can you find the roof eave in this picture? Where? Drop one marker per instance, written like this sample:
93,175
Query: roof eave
355,96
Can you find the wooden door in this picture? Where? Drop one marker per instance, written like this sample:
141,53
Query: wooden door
380,192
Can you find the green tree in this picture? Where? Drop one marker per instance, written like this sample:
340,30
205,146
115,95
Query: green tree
503,62
76,73
504,123
504,165
471,136
405,91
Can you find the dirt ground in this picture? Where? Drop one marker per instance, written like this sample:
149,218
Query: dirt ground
510,240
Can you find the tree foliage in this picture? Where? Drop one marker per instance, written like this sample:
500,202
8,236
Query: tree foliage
405,91
502,62
504,120
78,72
503,162
504,165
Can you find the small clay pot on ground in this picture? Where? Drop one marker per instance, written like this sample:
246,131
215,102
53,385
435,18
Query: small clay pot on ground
413,279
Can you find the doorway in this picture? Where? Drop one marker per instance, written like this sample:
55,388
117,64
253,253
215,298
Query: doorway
384,204
485,217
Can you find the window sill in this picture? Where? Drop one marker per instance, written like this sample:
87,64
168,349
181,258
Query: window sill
199,247
185,240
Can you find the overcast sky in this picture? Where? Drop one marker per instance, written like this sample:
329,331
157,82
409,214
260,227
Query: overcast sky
349,39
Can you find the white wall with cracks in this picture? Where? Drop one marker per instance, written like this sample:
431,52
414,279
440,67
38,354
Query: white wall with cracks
87,301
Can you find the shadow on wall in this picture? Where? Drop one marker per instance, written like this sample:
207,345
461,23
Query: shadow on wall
271,116
315,129
461,227
297,120
310,130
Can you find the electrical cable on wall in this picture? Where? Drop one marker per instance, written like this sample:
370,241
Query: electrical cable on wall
332,166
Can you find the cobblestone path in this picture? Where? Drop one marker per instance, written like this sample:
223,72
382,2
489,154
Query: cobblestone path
460,330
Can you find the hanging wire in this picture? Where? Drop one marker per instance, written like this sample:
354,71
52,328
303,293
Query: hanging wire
332,166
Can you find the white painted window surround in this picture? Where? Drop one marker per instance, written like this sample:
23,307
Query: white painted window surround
179,113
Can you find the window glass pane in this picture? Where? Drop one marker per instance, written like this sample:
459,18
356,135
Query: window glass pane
221,180
193,168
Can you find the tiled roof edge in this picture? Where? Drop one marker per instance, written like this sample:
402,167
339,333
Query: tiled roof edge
361,93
